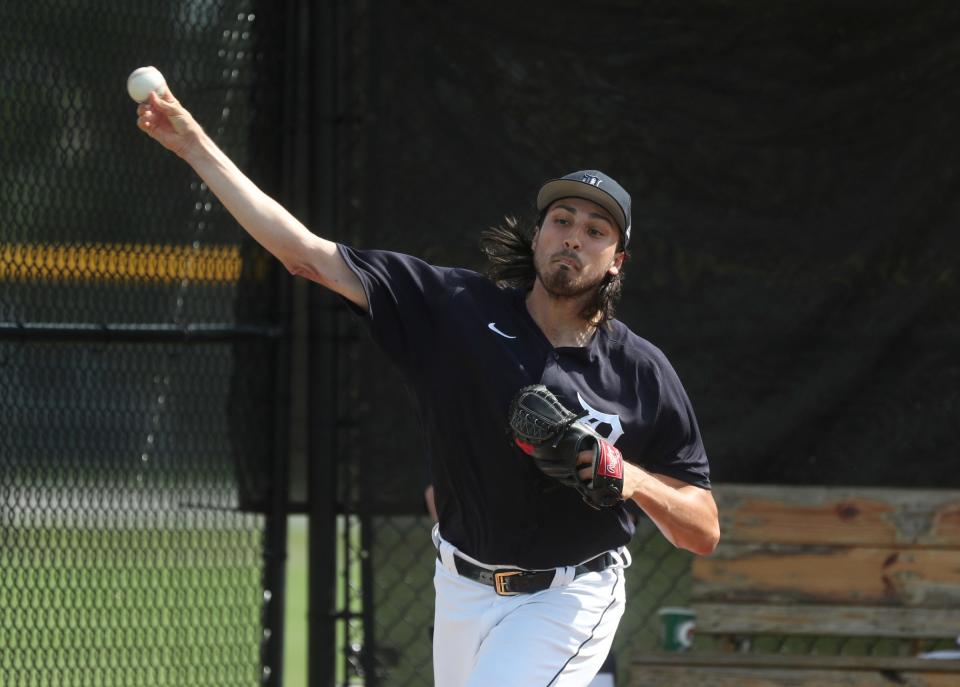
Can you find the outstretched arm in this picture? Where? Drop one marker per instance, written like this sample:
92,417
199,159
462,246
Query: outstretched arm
303,253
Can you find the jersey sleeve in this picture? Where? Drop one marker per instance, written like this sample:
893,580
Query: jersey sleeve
403,293
676,447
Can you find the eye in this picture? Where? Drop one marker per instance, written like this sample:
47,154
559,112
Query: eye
596,233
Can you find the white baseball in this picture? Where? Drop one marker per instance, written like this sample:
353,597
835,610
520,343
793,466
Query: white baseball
144,80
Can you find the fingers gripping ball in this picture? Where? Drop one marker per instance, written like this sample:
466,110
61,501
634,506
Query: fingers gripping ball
544,429
144,80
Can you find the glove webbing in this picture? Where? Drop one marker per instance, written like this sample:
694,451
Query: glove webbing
538,430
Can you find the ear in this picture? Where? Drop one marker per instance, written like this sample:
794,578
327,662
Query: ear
536,235
617,263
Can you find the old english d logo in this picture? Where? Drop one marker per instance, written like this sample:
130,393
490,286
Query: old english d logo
595,418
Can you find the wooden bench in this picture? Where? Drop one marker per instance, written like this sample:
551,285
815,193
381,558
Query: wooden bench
811,563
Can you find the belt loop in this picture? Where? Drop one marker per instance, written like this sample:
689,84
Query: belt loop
563,577
446,550
626,560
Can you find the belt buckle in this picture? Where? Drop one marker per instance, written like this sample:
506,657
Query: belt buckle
499,581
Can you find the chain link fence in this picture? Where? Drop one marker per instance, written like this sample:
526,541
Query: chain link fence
138,351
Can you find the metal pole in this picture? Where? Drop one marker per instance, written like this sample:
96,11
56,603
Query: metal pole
316,28
139,332
268,161
275,533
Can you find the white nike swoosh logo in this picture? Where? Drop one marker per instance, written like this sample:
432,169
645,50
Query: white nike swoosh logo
493,328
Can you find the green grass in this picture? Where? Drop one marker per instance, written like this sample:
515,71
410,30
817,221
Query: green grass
154,603
296,613
150,603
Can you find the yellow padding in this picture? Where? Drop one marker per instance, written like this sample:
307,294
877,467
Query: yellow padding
119,262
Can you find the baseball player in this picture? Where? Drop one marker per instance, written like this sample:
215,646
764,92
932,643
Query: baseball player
533,524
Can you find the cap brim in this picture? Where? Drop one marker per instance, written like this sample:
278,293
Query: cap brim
566,188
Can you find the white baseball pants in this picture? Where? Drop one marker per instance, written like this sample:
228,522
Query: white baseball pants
558,637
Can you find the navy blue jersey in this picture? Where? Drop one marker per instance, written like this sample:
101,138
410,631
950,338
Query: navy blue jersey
465,346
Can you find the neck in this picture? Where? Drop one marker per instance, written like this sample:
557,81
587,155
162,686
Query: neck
560,319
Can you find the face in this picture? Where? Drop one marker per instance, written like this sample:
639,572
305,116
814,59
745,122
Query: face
576,247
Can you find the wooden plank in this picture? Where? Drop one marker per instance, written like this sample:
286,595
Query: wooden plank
839,515
666,676
828,575
691,659
816,620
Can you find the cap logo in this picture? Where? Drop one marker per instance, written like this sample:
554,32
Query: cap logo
593,181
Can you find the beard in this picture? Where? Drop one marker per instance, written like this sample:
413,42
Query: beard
562,281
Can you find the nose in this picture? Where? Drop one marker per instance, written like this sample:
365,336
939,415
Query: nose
572,239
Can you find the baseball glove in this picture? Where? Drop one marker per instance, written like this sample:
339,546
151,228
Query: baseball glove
544,429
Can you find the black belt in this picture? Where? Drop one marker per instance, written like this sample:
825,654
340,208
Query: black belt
510,581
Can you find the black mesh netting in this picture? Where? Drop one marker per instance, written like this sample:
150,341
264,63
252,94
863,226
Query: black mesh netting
794,171
795,187
135,391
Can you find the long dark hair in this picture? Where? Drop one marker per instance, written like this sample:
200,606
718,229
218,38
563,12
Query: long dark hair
509,252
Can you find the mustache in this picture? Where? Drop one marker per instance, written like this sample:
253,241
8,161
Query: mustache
569,254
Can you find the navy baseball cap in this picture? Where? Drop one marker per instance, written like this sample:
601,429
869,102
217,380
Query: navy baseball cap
593,185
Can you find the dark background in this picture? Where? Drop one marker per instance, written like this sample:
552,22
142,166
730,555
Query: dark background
793,168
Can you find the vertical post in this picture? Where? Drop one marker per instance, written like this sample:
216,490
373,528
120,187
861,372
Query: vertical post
315,27
268,147
275,532
323,485
369,657
366,74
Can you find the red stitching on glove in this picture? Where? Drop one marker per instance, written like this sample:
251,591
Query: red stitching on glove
524,446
